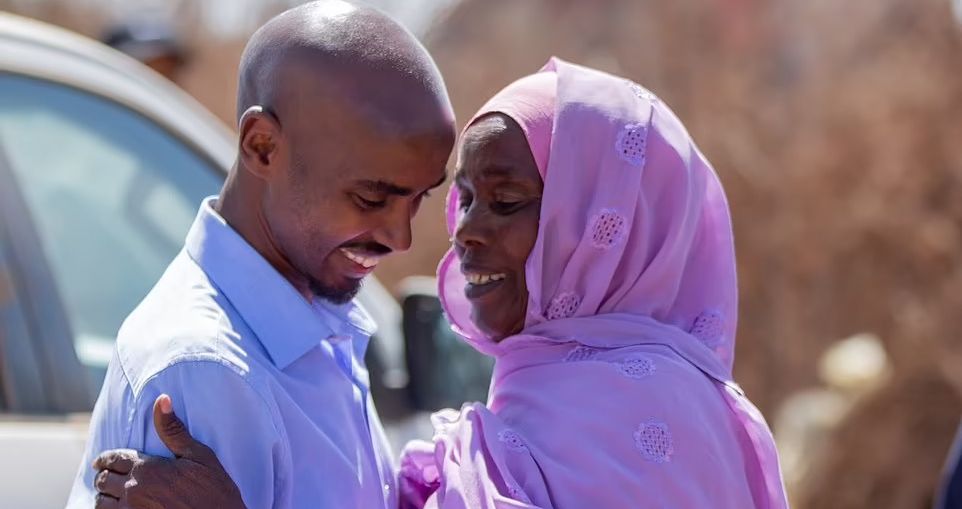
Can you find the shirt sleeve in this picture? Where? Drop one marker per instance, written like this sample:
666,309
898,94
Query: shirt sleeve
109,429
951,489
223,410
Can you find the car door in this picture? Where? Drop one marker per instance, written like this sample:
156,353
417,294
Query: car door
94,202
35,432
32,322
108,195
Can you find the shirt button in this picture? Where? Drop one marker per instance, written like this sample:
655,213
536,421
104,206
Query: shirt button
338,339
387,489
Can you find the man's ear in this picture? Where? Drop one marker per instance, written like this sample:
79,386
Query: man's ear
259,139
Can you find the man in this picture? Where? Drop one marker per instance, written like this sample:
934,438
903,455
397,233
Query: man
344,126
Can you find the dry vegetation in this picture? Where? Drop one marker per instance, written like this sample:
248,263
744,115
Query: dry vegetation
837,128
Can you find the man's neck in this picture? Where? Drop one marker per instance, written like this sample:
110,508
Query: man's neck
239,205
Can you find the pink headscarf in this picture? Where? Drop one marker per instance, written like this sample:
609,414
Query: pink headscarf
618,392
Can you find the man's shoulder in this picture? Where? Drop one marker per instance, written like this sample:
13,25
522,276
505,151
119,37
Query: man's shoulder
184,319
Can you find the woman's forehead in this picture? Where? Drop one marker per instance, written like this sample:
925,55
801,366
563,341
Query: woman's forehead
490,128
495,142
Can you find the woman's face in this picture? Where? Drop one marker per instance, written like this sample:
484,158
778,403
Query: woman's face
500,201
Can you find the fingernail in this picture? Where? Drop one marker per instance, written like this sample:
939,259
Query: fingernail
165,405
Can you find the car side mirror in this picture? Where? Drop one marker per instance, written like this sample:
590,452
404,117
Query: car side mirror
443,370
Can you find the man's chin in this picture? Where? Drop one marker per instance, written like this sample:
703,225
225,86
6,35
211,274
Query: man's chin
341,294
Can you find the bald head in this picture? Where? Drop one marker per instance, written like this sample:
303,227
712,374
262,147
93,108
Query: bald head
344,126
348,53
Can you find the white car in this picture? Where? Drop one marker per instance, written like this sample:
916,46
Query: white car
102,166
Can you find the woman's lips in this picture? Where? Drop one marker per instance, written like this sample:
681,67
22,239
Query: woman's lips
483,279
481,282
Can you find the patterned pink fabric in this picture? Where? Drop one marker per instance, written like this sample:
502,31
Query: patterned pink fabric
618,392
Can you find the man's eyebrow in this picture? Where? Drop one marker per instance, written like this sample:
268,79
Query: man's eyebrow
383,187
388,188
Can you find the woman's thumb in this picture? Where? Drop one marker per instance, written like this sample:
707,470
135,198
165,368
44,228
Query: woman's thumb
171,430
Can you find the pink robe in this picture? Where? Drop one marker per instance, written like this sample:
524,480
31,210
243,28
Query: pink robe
618,393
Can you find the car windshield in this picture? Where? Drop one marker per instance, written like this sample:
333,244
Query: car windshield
111,195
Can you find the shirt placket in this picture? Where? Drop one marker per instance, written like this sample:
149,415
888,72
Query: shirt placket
343,354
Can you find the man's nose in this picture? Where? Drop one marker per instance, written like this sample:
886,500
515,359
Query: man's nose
396,232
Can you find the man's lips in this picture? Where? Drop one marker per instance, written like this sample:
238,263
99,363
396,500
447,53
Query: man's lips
363,262
362,258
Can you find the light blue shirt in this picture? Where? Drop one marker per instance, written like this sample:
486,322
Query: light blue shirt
277,387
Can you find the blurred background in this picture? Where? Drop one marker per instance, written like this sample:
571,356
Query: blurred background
837,130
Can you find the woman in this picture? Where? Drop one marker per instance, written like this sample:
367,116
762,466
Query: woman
593,258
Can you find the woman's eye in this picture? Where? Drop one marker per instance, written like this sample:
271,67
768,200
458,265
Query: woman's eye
506,203
464,201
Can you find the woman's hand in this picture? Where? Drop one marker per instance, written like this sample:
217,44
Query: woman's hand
194,479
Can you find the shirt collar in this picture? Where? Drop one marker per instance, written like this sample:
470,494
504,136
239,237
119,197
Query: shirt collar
284,322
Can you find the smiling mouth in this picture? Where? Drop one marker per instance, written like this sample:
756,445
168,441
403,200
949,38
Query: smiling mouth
363,262
483,279
480,284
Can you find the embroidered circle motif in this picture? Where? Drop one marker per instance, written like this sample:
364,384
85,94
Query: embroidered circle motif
581,353
512,440
642,92
632,144
636,367
709,328
563,306
653,439
608,228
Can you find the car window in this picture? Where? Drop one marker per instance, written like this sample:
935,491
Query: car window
111,194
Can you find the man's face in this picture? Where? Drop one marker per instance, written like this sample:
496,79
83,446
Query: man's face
346,196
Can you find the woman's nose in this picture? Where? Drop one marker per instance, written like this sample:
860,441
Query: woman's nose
473,229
